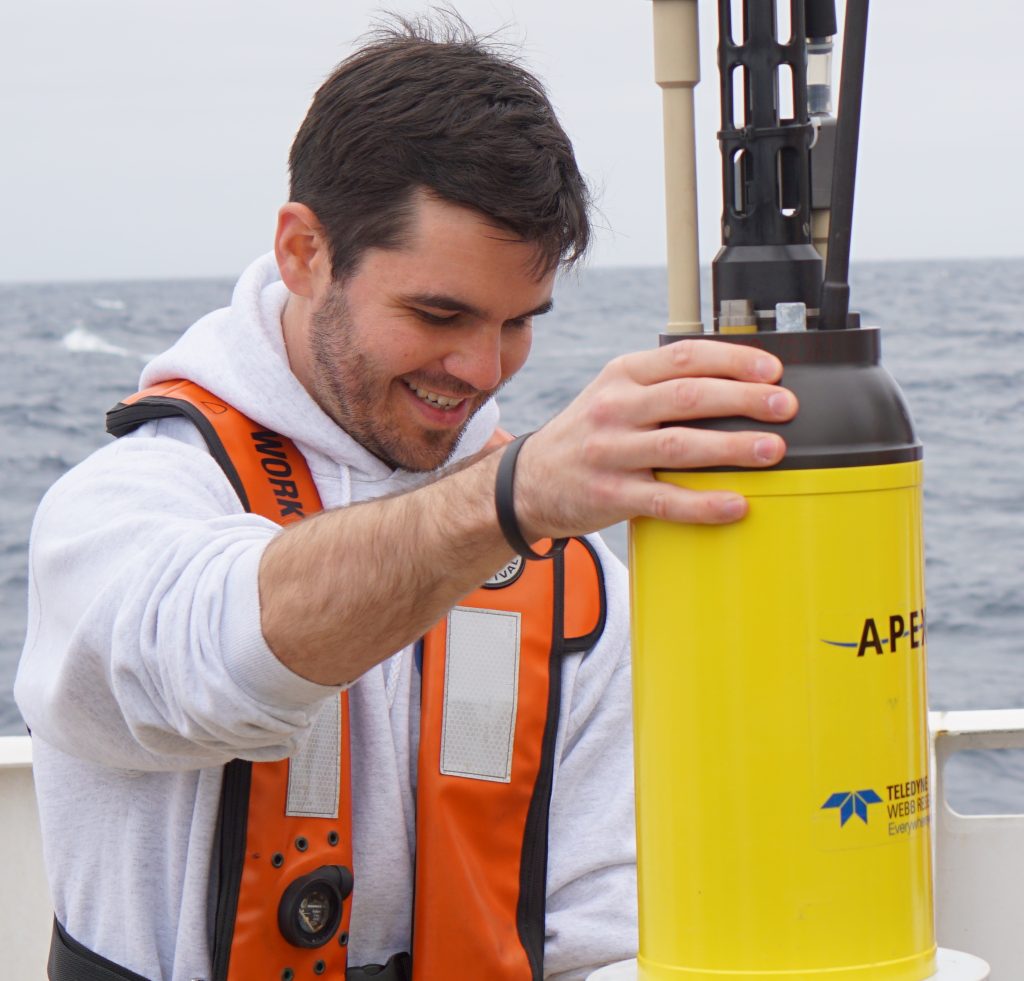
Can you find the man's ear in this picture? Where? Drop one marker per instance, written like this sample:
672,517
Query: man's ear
301,250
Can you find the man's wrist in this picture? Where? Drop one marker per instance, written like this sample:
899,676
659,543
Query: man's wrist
505,504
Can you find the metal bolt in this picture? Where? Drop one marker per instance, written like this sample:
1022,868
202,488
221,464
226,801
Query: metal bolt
277,860
319,967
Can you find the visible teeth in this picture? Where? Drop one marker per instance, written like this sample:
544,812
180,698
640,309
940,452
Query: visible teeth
441,401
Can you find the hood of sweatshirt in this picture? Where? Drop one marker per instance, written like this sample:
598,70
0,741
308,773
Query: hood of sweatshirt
238,353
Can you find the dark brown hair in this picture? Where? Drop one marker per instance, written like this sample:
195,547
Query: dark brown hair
425,104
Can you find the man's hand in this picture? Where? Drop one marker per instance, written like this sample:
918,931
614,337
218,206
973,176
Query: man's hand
591,466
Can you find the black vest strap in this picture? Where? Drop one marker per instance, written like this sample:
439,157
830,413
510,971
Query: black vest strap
70,961
398,968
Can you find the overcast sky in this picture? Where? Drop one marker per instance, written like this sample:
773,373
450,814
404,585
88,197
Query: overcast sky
147,139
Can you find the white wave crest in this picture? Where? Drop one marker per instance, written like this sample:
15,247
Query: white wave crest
80,340
107,304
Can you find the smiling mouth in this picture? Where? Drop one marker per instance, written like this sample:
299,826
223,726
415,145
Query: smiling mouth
434,399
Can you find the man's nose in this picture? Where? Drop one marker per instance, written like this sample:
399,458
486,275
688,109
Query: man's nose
476,359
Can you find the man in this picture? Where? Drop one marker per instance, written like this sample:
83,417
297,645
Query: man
173,631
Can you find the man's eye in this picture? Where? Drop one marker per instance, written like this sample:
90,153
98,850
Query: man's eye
433,318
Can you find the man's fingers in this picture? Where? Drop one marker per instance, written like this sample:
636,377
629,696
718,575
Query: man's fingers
681,399
682,448
699,358
669,502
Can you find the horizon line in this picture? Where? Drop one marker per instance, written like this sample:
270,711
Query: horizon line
583,268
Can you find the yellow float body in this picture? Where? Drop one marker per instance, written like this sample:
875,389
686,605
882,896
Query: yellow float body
783,805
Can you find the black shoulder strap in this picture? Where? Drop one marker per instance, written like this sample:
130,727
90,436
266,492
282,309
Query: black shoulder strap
125,417
229,840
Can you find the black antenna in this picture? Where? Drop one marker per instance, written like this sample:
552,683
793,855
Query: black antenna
835,291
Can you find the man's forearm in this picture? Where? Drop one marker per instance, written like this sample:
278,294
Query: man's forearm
345,589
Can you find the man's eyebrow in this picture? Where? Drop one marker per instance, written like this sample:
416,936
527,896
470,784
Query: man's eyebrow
546,307
441,301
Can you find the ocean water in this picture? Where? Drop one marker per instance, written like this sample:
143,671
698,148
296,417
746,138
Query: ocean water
951,336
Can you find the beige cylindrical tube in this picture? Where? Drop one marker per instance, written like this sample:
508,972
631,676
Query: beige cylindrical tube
677,71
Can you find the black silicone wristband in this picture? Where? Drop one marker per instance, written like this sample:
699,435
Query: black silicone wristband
504,503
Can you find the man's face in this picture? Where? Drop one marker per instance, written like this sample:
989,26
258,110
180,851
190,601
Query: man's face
416,339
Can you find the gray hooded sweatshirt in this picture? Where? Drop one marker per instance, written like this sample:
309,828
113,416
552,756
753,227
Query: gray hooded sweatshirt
145,671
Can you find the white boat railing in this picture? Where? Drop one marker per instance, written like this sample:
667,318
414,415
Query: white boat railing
26,916
979,859
979,867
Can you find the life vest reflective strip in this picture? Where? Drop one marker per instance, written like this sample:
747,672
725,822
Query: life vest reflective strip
483,783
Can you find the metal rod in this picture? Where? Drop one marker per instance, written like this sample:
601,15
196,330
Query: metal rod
835,291
677,71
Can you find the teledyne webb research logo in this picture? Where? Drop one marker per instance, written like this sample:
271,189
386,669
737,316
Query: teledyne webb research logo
850,802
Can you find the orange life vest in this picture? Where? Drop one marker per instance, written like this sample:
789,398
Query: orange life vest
484,774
